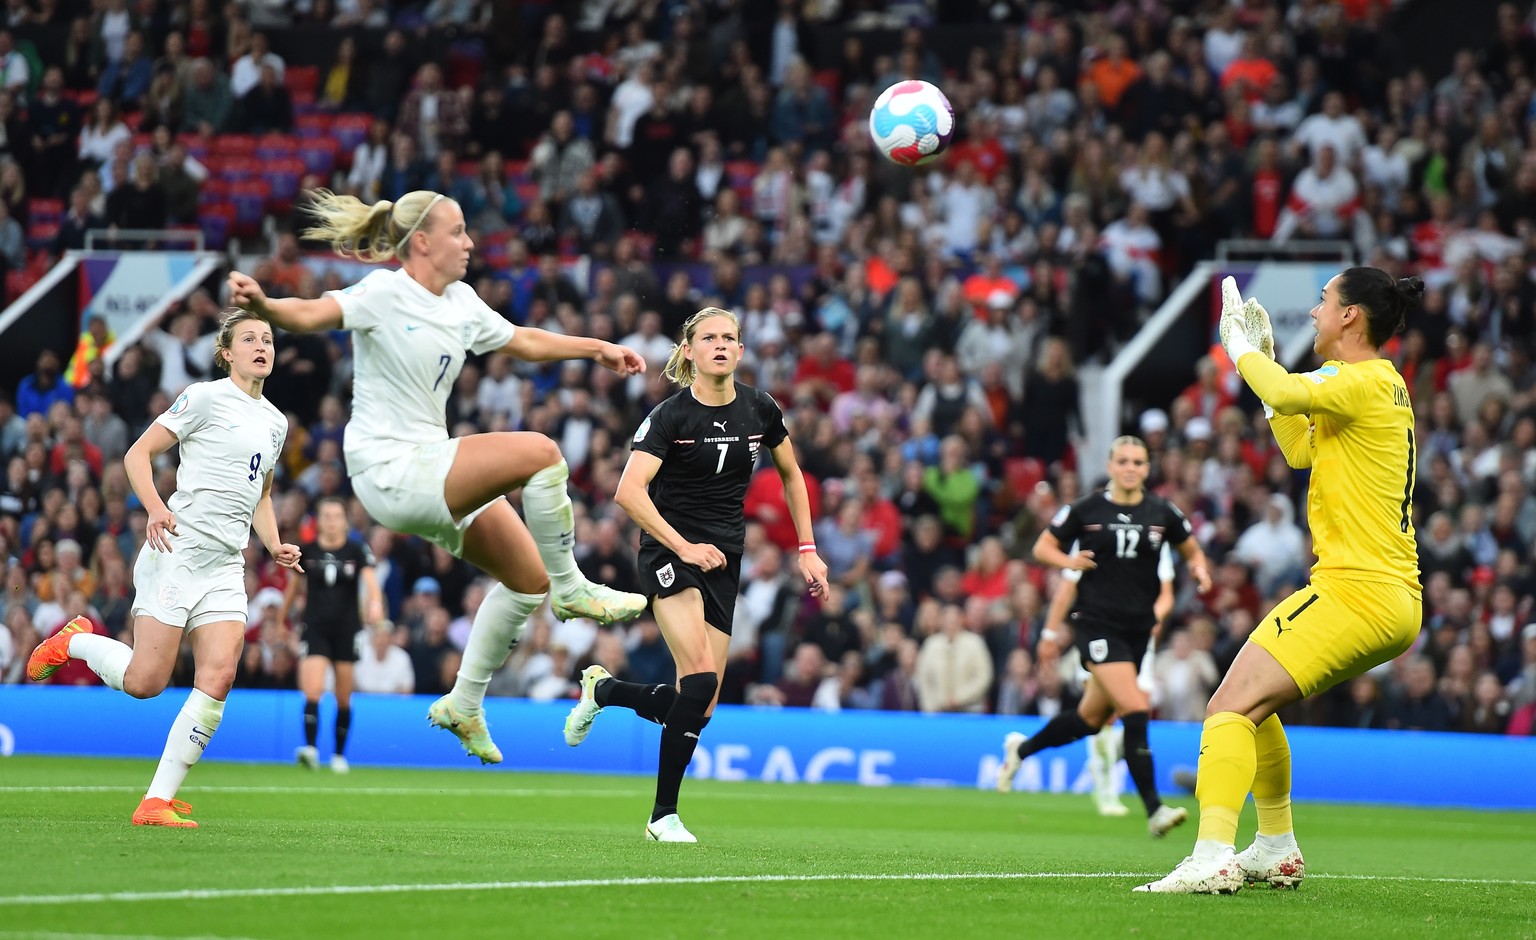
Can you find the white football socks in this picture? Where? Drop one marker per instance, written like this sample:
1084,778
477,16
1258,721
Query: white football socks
107,657
499,624
547,506
194,725
1282,843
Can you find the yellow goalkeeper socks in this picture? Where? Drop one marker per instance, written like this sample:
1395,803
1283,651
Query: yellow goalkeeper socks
1225,775
1272,778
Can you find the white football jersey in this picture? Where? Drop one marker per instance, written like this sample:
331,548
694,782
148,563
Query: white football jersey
229,443
408,345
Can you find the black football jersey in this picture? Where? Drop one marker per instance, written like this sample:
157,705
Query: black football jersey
331,576
707,456
1127,543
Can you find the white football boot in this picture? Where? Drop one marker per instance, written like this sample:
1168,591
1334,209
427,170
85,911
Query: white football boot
471,730
1218,874
308,758
1166,818
579,721
339,764
668,828
1278,868
599,602
1011,760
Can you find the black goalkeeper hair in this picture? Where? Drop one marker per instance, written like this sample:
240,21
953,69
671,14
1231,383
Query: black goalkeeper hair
1386,302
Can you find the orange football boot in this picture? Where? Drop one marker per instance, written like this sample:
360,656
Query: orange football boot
156,812
54,651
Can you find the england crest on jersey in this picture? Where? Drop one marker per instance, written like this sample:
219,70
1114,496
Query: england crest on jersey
665,575
277,442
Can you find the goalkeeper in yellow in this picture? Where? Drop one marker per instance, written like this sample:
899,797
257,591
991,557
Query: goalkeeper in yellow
1352,423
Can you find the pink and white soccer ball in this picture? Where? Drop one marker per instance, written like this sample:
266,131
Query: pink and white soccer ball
912,122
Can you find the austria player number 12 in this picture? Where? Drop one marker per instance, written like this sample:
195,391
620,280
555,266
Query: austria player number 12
1126,541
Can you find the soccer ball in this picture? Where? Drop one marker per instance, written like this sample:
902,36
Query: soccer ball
912,123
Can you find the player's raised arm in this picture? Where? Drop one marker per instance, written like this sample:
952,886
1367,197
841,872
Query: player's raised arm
531,344
290,313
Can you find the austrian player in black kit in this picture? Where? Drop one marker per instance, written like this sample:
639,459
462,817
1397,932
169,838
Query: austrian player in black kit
1121,532
684,485
336,565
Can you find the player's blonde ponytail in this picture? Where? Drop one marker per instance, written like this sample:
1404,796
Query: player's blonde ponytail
373,233
680,370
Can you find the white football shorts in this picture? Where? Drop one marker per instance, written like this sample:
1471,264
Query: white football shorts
190,586
405,493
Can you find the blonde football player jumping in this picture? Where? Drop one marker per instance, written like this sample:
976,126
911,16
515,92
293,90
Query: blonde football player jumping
411,329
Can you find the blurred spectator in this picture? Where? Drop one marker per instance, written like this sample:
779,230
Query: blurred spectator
265,108
954,669
245,72
208,101
1185,675
40,390
432,115
1419,706
102,133
126,80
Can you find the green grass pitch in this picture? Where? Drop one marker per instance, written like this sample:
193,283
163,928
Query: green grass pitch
285,853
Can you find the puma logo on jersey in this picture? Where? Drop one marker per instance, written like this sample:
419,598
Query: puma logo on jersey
1123,516
720,425
1280,628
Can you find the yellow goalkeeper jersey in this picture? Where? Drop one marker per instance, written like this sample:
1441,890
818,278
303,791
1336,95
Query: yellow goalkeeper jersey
1352,423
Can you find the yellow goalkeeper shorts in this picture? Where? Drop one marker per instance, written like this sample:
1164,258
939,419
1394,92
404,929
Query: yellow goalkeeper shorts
1333,630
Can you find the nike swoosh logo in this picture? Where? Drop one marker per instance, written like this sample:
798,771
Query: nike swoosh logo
411,329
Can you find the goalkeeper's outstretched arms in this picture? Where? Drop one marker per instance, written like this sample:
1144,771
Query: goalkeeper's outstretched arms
1249,321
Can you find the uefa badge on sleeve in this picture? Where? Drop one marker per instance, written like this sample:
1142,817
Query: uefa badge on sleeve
665,575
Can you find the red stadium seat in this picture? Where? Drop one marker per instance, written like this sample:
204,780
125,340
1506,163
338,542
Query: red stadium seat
41,234
517,171
235,145
1020,476
319,155
315,124
284,176
216,220
249,198
213,189
237,169
349,131
17,283
302,82
273,147
831,81
45,210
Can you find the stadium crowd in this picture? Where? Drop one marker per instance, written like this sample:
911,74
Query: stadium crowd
920,329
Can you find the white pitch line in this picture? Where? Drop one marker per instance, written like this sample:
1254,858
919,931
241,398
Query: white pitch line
339,791
214,894
787,794
55,935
